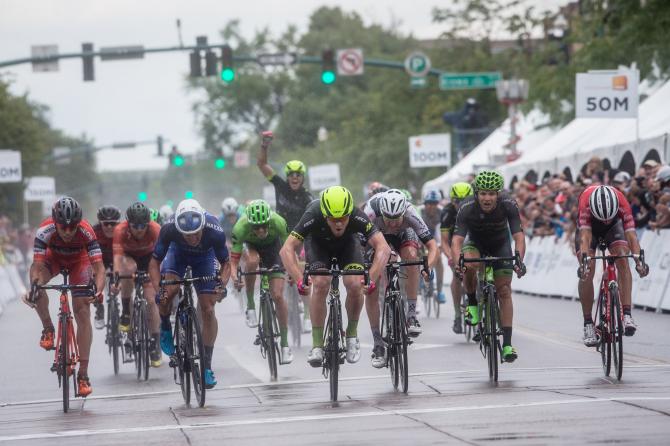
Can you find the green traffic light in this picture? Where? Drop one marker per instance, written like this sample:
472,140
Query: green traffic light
328,77
178,161
142,196
220,163
227,75
188,194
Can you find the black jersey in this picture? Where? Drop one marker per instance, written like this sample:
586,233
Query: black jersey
291,204
491,229
314,225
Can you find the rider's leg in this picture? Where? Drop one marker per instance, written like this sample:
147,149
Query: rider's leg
470,283
353,304
439,271
210,325
456,292
503,283
373,310
42,304
252,260
586,291
276,290
409,252
317,309
624,276
81,275
128,266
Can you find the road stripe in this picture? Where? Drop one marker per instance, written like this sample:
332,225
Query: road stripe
324,417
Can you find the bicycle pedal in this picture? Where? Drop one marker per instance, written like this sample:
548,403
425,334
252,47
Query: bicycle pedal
54,367
257,341
173,362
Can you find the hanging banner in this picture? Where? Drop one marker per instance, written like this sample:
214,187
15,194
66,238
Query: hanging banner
40,189
607,94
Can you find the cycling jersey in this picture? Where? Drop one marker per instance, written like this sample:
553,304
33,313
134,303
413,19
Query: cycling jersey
411,221
213,240
432,220
448,220
243,233
227,225
126,244
290,204
489,230
105,245
83,246
586,219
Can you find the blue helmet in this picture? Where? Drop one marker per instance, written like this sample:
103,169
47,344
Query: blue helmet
190,217
432,196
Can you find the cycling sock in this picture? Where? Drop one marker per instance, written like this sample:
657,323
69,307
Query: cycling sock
411,308
377,336
317,336
352,328
626,309
83,367
472,299
507,336
283,333
251,305
588,319
209,351
125,305
165,323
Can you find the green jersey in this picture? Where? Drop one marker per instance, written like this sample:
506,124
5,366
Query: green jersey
243,233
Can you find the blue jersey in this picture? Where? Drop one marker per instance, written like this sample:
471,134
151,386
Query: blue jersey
213,240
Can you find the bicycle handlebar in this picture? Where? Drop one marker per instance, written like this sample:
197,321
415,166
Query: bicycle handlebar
34,288
190,280
335,271
259,271
586,258
136,275
423,262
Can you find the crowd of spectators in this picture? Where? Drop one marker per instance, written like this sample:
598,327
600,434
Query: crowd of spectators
550,208
16,245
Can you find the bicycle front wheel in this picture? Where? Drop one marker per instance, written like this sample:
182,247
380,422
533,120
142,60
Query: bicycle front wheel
63,359
181,356
390,326
605,335
492,331
113,337
196,356
269,333
616,328
333,351
401,348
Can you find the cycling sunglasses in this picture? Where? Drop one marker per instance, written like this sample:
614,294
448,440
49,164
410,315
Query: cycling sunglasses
109,223
138,226
70,227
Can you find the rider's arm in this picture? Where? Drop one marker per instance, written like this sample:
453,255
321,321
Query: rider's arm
117,247
99,274
289,258
433,253
382,253
160,251
446,245
634,243
520,244
456,245
154,273
585,237
262,161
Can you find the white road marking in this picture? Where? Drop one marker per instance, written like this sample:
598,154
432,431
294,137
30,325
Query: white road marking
274,420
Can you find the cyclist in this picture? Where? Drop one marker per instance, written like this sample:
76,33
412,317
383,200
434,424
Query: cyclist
458,192
108,218
430,212
134,242
263,232
483,225
192,237
230,213
605,214
166,212
330,228
291,197
403,228
65,240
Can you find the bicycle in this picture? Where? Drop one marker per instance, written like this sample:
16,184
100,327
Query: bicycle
609,312
429,297
489,324
268,327
334,348
295,314
67,350
187,360
140,339
394,326
467,328
112,335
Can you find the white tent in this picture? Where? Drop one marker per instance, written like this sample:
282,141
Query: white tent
532,129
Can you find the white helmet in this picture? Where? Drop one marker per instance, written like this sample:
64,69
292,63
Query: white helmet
663,174
392,203
604,203
229,206
190,217
166,211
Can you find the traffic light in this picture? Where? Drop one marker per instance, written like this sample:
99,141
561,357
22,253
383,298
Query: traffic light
178,160
328,75
227,71
159,145
220,163
211,68
196,67
188,194
142,196
89,71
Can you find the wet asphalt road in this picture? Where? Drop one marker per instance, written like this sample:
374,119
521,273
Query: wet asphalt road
555,393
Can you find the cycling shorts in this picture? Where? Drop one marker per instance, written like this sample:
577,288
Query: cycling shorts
402,240
613,236
81,271
501,267
348,252
176,261
269,255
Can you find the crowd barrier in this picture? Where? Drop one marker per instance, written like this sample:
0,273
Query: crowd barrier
552,270
11,285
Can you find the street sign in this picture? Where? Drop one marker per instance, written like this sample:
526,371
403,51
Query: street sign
430,150
469,81
418,81
44,51
40,189
607,94
241,158
417,64
122,52
350,62
10,166
322,176
277,59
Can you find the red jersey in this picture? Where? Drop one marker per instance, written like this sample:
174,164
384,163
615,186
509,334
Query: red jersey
105,244
586,220
125,244
83,244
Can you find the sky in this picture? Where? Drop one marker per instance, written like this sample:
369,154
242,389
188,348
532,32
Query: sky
136,100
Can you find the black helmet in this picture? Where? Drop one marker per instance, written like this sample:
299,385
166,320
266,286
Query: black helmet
138,213
66,211
109,213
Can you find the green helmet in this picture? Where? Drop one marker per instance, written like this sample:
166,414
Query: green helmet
460,191
408,194
154,215
295,166
258,212
336,201
489,180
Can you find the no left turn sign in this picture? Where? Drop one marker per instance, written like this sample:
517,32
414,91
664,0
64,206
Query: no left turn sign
350,62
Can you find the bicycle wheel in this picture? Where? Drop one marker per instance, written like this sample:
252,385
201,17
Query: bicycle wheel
605,345
113,334
136,341
616,328
196,355
270,340
391,339
144,341
333,351
492,331
401,348
63,361
181,355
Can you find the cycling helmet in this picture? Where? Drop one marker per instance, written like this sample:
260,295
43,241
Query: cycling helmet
621,177
392,203
336,201
663,174
154,215
604,203
460,191
258,212
489,180
295,166
229,206
431,197
190,217
166,211
138,213
66,211
109,213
